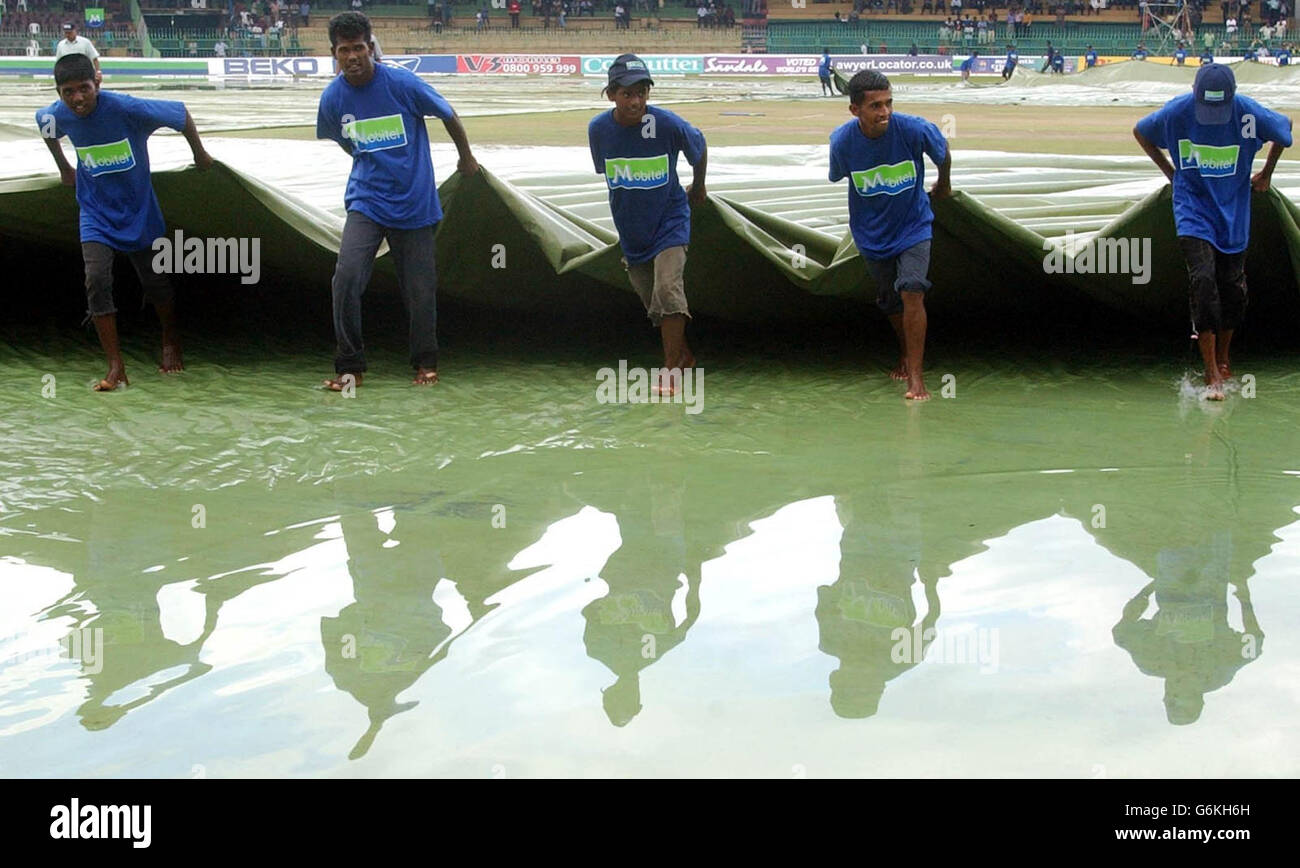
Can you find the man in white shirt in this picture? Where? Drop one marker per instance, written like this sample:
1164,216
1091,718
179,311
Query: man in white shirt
219,49
75,44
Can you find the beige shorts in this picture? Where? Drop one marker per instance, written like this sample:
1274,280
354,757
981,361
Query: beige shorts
659,283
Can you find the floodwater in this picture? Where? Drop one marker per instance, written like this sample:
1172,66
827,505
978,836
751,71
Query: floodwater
1063,565
1063,569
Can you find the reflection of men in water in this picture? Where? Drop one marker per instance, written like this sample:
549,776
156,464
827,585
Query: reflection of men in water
1188,641
380,645
860,614
635,623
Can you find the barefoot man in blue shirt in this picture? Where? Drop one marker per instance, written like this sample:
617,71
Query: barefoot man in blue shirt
376,113
1215,134
889,212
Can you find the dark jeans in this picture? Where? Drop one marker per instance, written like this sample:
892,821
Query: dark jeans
1217,284
907,272
417,279
99,277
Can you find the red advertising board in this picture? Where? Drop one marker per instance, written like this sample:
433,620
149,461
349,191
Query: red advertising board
519,64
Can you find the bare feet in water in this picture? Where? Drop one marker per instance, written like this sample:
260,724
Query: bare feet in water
899,373
425,377
916,390
171,359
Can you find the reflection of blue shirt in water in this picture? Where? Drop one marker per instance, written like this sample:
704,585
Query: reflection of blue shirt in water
824,68
889,210
1212,165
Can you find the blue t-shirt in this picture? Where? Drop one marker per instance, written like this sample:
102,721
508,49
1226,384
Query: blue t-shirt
1212,166
383,123
1283,57
1091,57
117,201
1179,56
967,64
889,210
1058,61
649,205
824,68
1140,54
1013,58
1207,56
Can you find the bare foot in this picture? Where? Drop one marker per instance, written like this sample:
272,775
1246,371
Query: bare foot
171,359
916,391
1214,391
425,377
669,381
900,372
116,377
342,381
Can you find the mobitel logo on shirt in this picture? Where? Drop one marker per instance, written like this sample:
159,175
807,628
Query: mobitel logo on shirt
377,134
106,159
1213,161
890,180
636,173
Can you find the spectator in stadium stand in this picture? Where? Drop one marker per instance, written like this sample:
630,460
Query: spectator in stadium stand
514,9
700,12
913,52
219,48
306,13
74,44
884,49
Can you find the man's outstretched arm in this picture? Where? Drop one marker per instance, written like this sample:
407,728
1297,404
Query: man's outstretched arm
1264,177
1155,153
202,159
466,165
66,172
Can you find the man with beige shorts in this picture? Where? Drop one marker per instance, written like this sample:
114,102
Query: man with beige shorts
635,146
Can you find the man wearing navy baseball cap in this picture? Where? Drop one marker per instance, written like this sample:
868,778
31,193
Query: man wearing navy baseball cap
1215,134
635,146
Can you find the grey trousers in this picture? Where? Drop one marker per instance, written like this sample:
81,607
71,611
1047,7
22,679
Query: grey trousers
417,279
99,278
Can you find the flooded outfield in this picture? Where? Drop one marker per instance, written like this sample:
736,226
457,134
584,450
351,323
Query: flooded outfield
1070,567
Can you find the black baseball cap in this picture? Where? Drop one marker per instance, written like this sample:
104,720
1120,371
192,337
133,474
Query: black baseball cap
628,69
1215,88
69,27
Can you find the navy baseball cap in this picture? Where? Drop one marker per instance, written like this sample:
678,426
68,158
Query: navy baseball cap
628,69
1215,88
